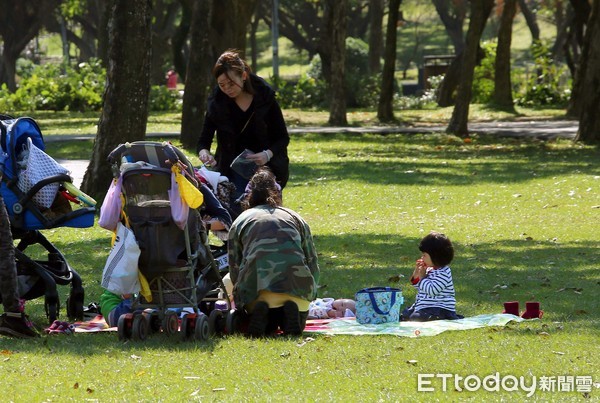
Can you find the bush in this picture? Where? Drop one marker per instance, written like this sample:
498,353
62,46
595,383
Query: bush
80,88
544,86
163,99
57,87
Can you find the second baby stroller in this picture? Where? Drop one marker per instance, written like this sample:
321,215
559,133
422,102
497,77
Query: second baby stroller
175,259
39,195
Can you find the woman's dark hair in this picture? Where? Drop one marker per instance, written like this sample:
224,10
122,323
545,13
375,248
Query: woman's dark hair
439,248
229,63
262,189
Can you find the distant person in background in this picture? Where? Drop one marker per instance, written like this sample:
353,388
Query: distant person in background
13,322
272,261
171,80
245,115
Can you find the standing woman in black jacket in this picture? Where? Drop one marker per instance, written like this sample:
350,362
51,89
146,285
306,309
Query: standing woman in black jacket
244,113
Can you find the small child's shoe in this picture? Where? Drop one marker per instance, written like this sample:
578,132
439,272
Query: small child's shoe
532,311
511,308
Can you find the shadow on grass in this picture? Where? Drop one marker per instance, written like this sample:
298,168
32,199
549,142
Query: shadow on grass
434,160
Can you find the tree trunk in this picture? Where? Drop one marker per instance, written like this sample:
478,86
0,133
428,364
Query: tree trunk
125,109
581,18
179,44
531,20
502,82
163,27
589,121
453,22
375,35
337,113
480,11
229,25
197,81
385,109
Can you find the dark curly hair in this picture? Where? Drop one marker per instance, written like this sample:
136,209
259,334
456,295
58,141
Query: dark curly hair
439,248
262,189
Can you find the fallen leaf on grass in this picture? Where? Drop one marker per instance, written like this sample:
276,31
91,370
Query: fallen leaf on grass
76,386
558,352
412,362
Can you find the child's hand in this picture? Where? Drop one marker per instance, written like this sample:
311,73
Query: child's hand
420,269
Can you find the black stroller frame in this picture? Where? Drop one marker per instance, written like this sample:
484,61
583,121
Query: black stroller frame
177,263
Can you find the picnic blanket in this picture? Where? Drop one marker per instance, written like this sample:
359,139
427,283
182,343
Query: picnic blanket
97,324
349,326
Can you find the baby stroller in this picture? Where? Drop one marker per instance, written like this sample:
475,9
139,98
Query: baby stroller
52,202
175,260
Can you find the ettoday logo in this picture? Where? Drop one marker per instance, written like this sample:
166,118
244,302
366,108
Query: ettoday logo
508,383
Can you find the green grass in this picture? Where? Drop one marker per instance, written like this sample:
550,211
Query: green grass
523,216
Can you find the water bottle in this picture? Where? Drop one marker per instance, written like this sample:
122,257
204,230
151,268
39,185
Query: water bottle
221,305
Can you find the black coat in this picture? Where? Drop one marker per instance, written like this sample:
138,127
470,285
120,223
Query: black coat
265,129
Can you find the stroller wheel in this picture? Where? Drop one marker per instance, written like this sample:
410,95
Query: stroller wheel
124,326
188,324
170,323
153,319
215,322
201,331
75,307
233,322
52,309
139,327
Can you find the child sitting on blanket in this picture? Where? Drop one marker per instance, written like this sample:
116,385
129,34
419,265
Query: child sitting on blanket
324,308
112,306
433,280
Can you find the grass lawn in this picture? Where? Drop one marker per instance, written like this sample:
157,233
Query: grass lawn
523,216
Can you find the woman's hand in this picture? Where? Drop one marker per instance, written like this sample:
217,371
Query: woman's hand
261,158
207,158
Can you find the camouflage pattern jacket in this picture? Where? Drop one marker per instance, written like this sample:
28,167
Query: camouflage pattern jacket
272,249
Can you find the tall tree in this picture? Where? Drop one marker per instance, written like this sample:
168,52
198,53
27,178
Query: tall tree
20,22
229,25
376,8
452,14
336,11
480,11
125,109
385,109
197,80
575,39
502,83
530,18
589,120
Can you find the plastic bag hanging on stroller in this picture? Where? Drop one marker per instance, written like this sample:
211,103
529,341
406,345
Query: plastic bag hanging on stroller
175,260
28,216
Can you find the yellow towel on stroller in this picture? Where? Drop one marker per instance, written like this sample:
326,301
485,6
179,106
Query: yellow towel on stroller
189,193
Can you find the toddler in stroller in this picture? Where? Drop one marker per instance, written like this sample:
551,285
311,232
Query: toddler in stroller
39,194
176,267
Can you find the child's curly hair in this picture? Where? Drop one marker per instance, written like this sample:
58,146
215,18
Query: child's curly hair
439,248
262,189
